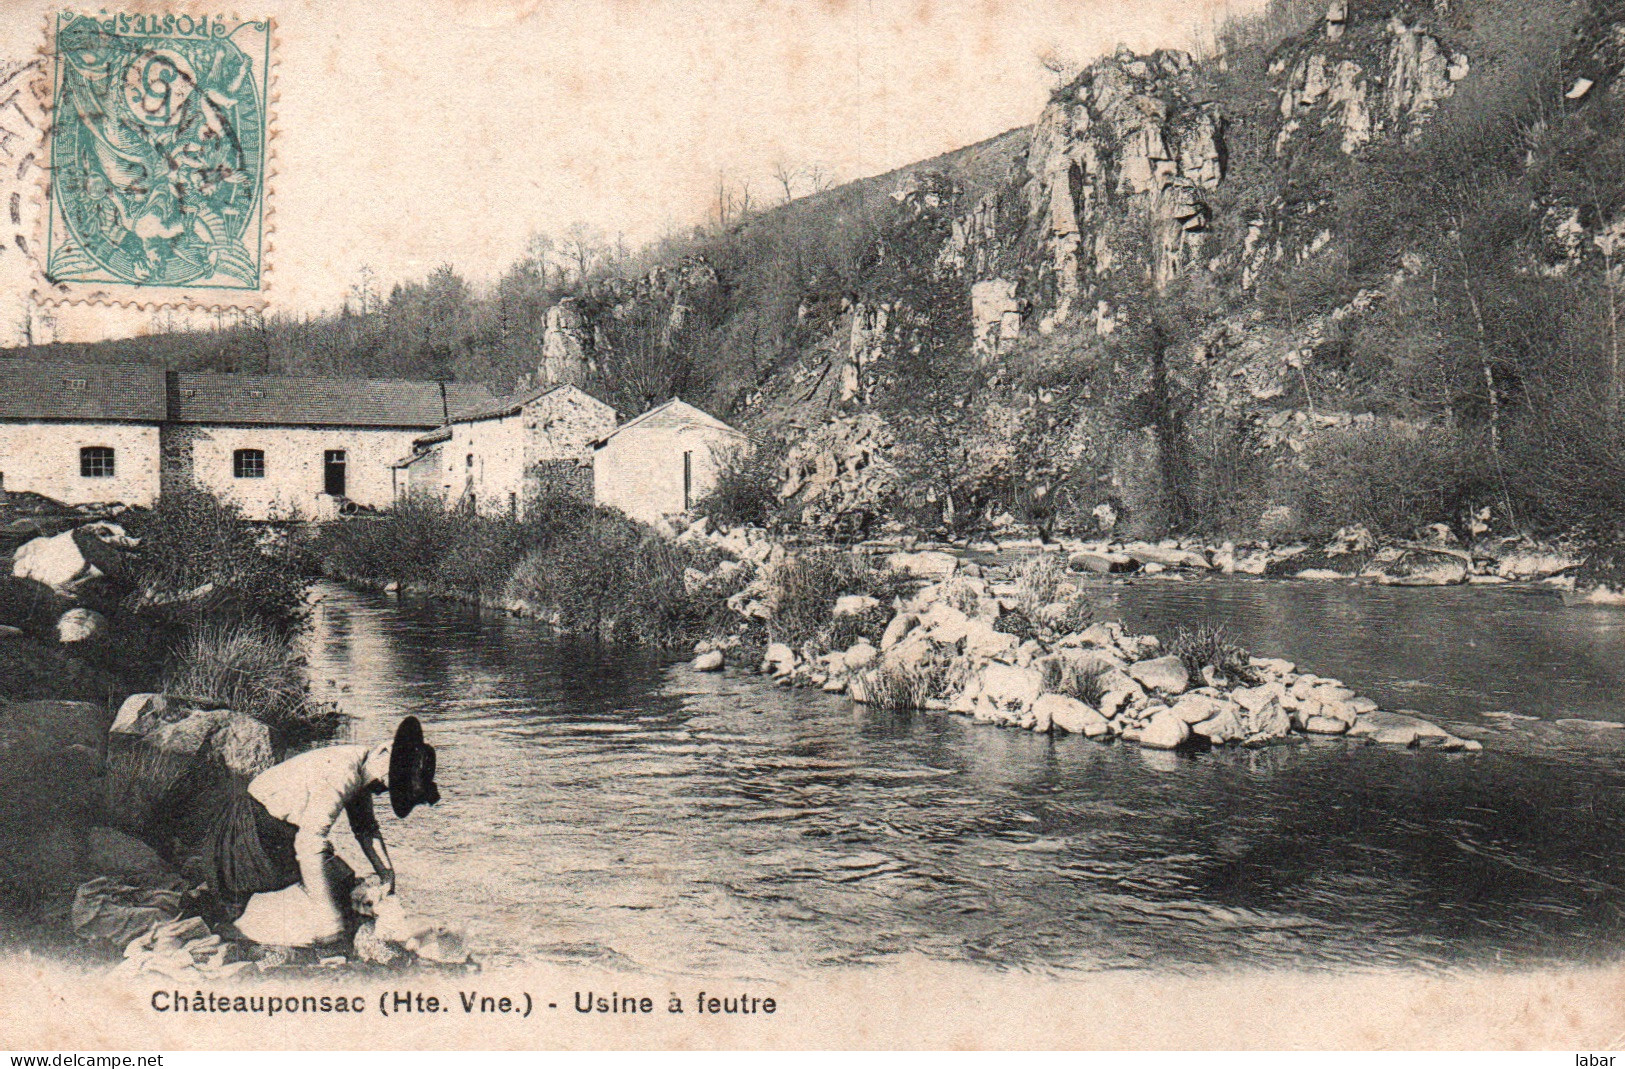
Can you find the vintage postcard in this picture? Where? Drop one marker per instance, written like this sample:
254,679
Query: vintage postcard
540,524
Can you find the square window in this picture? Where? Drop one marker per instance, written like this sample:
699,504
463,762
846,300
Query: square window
96,462
248,464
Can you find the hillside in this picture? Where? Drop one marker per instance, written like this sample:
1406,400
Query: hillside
1357,267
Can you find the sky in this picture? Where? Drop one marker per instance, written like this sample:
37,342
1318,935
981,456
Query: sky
449,131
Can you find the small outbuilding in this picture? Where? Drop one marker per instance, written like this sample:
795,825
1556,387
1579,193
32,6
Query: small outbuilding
499,457
663,462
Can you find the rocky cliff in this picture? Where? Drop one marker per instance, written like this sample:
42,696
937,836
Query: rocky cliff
1190,282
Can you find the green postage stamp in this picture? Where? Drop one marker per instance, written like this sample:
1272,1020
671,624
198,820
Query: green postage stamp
158,159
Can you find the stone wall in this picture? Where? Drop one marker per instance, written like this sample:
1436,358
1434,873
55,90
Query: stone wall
43,458
640,471
293,485
497,465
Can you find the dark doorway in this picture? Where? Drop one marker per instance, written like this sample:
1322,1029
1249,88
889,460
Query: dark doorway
688,480
333,472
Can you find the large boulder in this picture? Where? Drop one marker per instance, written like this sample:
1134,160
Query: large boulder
854,605
165,784
1102,562
946,625
1534,564
1166,674
1405,729
69,561
243,745
56,561
1008,694
1166,731
1195,708
984,643
860,656
1068,714
80,625
113,853
1166,556
50,754
899,626
1419,566
709,661
1224,726
140,713
779,659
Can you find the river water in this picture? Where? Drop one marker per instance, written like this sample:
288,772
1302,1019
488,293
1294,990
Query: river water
613,809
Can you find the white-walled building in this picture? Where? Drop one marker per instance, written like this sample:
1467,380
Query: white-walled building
498,457
295,448
80,432
277,447
663,462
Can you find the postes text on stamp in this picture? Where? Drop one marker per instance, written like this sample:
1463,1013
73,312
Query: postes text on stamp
159,140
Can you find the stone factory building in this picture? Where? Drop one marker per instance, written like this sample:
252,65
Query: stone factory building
498,457
285,448
663,462
278,447
297,448
81,433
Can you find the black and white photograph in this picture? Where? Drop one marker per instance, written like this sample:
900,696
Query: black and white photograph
892,524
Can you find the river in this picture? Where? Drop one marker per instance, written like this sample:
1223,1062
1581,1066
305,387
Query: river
613,809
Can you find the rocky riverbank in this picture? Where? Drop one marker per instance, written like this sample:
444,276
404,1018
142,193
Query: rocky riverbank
148,666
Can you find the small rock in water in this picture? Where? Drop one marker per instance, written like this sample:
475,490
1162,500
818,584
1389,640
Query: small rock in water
1588,725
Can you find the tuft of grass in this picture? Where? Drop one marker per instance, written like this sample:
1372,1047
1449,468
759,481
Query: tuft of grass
248,667
902,689
1207,645
1063,677
1038,580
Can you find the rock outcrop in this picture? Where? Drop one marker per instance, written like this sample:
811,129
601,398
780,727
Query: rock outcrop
567,341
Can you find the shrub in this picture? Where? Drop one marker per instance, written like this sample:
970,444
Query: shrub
200,559
249,667
596,572
1019,623
808,584
899,689
1392,479
747,489
1207,645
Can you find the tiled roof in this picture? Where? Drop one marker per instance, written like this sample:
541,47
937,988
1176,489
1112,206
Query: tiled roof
507,406
71,390
671,413
205,397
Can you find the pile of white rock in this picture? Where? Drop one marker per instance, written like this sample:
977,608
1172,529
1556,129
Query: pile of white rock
943,651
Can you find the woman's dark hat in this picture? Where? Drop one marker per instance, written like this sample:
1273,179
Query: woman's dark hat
411,769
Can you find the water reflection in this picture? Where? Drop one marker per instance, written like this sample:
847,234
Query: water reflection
606,807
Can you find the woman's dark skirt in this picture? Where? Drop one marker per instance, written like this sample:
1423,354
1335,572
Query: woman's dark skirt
251,850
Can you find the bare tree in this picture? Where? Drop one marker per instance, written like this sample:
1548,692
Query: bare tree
816,178
788,176
364,291
582,249
733,201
